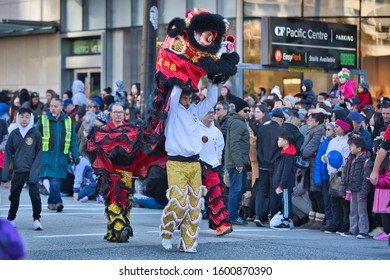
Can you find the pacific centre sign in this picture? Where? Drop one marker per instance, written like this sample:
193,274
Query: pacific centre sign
289,42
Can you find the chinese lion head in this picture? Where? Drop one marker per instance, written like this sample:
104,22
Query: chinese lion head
196,46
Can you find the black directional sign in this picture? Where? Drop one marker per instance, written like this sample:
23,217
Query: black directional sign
289,42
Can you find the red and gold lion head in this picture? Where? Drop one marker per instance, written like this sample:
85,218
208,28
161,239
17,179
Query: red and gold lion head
196,46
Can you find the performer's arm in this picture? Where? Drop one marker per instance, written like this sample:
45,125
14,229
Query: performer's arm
174,98
209,102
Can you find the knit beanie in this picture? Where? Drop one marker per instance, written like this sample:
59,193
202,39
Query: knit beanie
344,125
291,99
332,125
97,100
345,73
228,85
239,104
364,85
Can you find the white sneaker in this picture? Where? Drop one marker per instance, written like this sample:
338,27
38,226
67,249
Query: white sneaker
191,250
37,225
166,243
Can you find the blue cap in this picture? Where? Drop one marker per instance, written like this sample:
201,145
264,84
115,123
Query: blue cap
355,116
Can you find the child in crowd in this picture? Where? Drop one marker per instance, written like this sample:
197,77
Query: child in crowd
355,186
24,150
346,87
284,177
84,181
382,199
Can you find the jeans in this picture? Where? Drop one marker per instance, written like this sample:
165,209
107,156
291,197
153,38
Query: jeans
326,199
265,190
238,185
86,191
55,194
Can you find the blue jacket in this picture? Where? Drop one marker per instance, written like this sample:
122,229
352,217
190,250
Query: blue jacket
83,175
366,135
320,169
54,162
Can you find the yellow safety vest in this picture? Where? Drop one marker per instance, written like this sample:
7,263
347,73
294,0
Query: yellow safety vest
46,133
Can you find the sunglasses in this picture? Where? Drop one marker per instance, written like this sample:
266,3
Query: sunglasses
246,110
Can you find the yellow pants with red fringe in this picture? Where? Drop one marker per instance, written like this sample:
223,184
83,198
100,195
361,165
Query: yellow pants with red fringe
185,195
118,206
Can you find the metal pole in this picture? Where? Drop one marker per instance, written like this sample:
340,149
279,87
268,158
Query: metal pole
149,38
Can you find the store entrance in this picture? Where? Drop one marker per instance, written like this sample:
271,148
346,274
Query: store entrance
91,78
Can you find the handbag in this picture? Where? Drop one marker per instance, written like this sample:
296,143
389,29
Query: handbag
302,163
299,188
334,183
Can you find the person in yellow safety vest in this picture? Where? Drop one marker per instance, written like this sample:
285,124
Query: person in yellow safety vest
58,139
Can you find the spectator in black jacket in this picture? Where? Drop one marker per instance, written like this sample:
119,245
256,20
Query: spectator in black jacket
24,150
284,177
309,96
267,152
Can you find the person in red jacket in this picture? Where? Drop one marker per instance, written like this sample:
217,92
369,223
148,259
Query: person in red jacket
364,95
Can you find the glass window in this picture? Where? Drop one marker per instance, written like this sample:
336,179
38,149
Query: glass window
120,13
227,8
375,8
252,31
166,12
317,8
279,8
375,54
210,5
376,36
74,15
138,12
95,15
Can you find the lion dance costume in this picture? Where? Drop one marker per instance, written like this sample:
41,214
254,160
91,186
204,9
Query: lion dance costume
196,46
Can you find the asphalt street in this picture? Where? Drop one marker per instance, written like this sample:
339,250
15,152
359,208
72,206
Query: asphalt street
77,234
